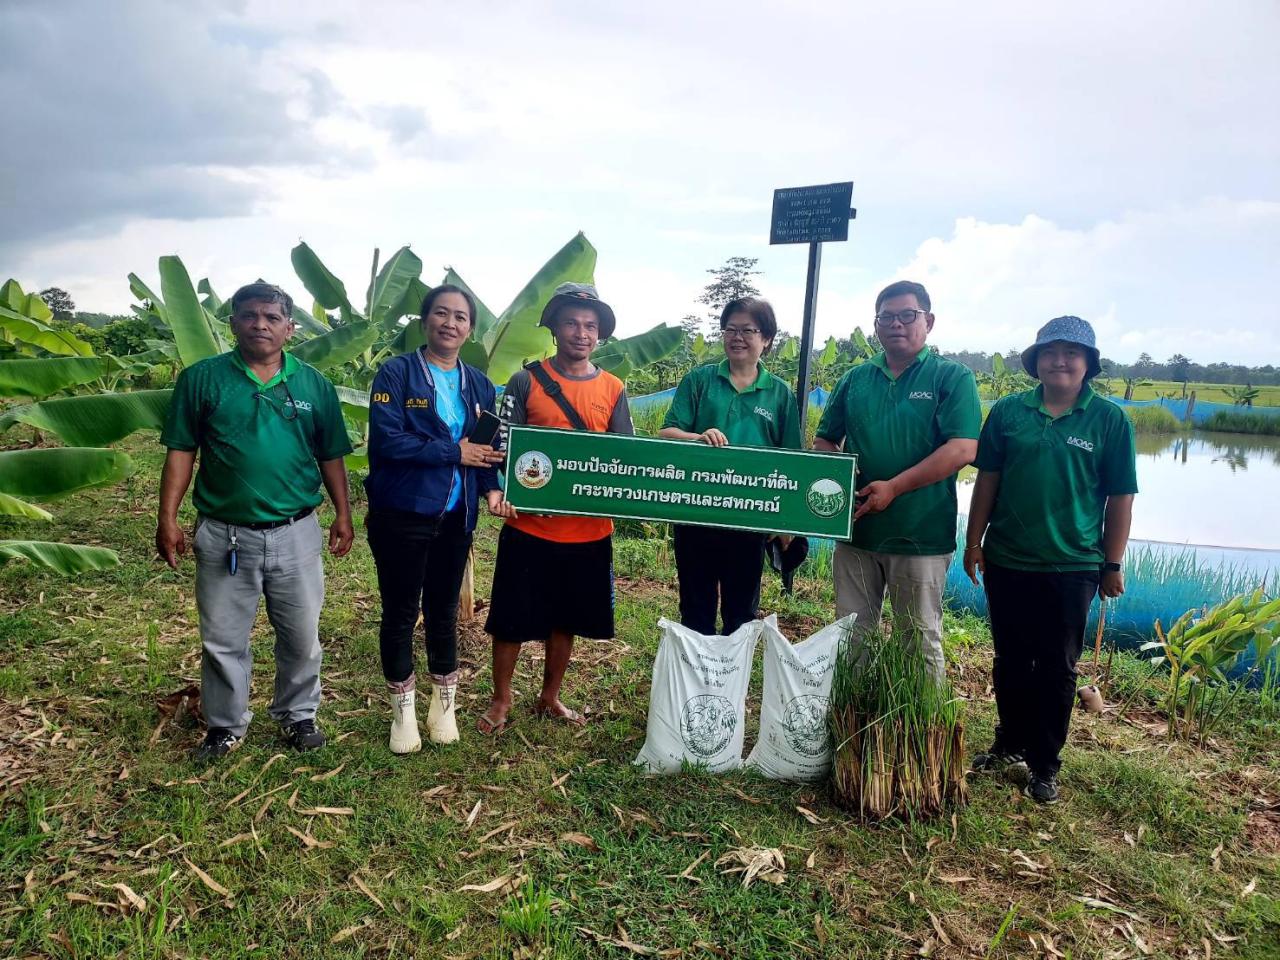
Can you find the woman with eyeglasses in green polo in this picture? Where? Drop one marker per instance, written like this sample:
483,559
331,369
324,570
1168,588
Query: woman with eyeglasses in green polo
735,402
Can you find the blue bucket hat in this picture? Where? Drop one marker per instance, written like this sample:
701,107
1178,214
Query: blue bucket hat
1068,330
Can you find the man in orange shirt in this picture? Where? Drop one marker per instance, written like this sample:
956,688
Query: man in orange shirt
553,578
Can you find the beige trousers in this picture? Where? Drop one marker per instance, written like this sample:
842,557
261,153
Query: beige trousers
914,584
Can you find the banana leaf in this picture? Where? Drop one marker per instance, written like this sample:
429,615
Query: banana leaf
355,403
516,336
36,332
27,304
327,289
50,473
829,352
93,420
186,317
638,351
48,375
485,318
472,352
13,507
211,302
64,558
309,321
337,346
390,287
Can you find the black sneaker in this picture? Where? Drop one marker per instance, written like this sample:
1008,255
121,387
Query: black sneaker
995,760
304,735
1042,789
217,743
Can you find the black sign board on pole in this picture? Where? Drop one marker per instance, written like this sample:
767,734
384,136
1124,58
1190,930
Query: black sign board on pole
812,215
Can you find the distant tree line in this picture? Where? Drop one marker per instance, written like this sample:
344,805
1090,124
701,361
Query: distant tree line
1178,368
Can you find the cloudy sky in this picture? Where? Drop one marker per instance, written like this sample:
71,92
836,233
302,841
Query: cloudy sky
1116,160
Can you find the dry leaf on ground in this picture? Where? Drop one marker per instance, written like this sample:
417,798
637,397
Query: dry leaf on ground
503,884
755,863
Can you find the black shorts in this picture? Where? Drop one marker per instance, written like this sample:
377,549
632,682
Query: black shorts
541,586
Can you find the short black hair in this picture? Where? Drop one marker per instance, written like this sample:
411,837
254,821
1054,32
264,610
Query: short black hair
758,309
902,288
429,300
267,293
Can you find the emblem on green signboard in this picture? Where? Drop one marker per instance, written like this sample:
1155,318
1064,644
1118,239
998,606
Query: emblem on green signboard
825,497
533,470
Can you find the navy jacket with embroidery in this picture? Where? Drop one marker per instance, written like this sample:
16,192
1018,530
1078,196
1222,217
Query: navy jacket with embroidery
412,455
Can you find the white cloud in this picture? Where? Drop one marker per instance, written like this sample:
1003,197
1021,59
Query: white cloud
488,134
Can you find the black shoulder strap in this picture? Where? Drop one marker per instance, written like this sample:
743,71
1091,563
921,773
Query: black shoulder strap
552,389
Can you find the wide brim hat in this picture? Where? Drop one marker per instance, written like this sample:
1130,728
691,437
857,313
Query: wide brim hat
581,295
1067,330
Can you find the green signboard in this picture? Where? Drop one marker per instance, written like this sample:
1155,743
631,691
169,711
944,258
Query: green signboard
641,478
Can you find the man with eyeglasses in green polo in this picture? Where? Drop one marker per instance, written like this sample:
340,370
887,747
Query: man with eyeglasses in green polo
913,418
268,430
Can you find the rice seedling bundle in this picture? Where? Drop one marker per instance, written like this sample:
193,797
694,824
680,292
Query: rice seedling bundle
898,734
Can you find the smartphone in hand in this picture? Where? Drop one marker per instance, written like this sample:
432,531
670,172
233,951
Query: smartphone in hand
486,429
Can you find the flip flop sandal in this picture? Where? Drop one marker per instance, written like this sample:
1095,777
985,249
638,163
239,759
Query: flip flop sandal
572,717
489,728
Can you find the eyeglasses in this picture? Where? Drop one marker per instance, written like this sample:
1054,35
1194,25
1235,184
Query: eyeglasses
744,332
286,407
904,317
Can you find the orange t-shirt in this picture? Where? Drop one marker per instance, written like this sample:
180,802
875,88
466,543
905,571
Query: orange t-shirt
595,400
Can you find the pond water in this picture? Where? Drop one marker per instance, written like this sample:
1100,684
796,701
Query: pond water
1208,490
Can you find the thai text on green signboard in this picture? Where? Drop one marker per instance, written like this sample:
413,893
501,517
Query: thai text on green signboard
641,478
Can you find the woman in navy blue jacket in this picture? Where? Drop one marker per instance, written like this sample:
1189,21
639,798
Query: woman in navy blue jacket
425,480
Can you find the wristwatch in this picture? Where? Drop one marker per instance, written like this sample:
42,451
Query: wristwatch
1111,566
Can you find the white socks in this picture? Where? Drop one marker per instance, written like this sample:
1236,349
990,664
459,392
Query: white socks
441,724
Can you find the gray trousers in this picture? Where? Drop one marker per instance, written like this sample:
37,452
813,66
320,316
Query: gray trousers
915,585
285,566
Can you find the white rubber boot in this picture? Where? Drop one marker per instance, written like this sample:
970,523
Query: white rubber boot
442,727
404,722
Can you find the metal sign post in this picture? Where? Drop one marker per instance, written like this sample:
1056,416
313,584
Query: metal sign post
812,215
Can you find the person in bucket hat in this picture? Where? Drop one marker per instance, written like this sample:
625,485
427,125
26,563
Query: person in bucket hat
553,576
1048,525
1064,330
580,295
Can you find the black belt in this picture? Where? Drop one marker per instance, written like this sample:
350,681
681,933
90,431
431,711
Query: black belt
273,524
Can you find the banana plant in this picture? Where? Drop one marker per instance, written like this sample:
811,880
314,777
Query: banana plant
499,345
25,324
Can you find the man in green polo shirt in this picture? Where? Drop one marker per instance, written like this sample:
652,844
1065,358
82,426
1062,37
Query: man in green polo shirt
912,417
268,430
734,402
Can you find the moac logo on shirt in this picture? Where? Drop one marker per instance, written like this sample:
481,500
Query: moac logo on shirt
920,395
767,414
301,404
1082,444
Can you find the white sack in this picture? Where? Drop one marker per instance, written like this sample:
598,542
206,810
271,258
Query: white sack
795,742
697,702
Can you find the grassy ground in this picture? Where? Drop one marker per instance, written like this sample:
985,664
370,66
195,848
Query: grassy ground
113,844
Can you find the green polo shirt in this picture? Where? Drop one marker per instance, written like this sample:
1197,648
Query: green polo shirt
259,442
761,415
1055,476
892,423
